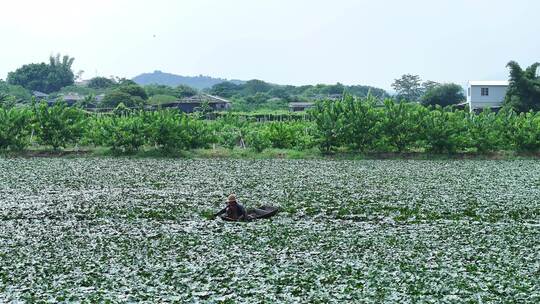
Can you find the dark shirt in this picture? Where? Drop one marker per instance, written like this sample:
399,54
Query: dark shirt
234,211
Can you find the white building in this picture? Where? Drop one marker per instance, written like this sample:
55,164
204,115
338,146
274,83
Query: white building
486,94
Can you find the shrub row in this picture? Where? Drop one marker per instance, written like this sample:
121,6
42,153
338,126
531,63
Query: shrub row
350,124
360,125
128,131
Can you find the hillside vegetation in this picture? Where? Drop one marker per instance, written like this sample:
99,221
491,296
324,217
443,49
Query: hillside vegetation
198,82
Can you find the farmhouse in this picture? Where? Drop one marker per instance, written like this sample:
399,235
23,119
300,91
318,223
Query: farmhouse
40,95
300,106
70,99
486,94
193,103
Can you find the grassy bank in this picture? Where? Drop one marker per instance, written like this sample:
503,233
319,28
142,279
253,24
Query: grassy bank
240,153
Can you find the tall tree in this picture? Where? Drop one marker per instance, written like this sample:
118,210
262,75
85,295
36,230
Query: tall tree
101,83
255,86
130,95
408,87
43,77
225,89
524,88
429,84
443,95
66,62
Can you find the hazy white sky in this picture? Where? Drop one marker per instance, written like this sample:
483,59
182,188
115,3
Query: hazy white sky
286,42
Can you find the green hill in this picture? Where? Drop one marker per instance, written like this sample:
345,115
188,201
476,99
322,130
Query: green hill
199,82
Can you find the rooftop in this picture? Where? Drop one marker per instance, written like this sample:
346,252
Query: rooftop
488,83
201,98
300,104
39,94
72,96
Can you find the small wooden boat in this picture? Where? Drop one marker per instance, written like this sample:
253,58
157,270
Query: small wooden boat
255,213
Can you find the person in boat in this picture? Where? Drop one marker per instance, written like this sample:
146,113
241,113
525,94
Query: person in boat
233,210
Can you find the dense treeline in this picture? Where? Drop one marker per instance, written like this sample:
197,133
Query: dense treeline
58,80
253,95
257,94
351,124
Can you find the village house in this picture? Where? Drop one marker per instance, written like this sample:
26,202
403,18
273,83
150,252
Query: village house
194,103
486,94
99,98
300,106
40,95
70,99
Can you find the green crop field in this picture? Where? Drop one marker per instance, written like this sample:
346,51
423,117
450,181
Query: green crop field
132,230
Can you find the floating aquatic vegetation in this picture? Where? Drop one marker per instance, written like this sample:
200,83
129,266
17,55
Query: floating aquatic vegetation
98,229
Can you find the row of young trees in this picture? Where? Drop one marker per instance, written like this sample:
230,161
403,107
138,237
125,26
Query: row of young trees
128,131
359,125
352,124
60,126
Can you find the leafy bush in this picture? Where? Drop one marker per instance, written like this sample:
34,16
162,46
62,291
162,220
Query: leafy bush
125,134
230,136
199,133
15,128
485,132
166,131
329,124
360,130
59,125
93,133
443,130
171,130
399,127
526,132
258,141
282,135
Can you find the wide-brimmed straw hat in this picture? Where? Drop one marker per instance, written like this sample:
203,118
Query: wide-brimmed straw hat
231,198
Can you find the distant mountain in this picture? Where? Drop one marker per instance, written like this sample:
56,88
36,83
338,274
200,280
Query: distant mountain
198,82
